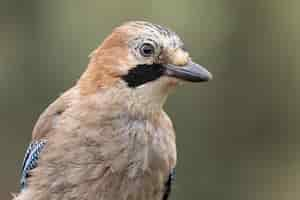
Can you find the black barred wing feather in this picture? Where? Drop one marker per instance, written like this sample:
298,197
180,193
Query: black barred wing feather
30,160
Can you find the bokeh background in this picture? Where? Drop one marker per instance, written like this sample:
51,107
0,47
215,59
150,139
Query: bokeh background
238,135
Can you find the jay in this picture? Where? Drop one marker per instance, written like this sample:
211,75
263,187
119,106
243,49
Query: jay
108,137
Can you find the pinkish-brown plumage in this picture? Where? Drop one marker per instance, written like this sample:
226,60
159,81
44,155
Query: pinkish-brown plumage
107,137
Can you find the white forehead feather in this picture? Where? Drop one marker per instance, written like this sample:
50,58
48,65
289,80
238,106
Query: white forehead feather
163,36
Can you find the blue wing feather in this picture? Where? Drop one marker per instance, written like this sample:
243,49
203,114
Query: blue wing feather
30,160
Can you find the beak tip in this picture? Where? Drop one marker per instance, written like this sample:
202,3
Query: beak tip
205,75
209,76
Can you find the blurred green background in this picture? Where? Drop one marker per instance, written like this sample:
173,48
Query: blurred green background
237,135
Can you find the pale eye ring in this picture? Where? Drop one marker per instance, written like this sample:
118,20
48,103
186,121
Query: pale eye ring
147,50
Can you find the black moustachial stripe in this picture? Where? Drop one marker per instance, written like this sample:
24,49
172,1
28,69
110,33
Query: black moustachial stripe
142,74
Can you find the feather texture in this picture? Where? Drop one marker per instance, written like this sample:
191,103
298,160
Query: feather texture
108,137
31,159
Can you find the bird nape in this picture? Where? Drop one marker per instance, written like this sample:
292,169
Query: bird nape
108,136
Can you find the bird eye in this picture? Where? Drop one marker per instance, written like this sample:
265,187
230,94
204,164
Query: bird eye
147,50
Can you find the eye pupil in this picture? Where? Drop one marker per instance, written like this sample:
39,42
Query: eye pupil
147,50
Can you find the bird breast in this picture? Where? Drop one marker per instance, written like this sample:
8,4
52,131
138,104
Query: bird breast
115,157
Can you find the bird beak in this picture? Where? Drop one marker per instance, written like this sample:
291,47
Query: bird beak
191,72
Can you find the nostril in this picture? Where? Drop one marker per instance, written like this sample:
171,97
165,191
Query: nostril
179,57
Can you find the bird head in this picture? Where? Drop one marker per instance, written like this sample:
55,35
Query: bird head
144,61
